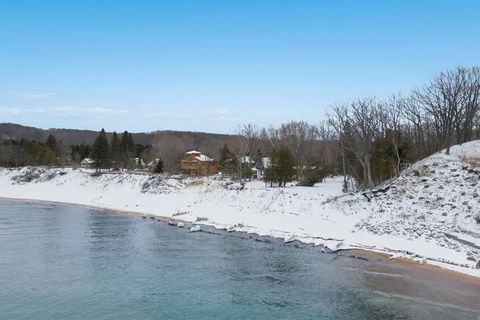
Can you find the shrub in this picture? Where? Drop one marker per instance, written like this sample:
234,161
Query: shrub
474,162
159,167
313,176
282,167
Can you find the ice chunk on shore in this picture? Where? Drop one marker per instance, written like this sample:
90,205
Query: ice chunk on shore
195,228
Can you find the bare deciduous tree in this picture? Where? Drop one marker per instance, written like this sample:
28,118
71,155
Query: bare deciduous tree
338,121
451,100
471,105
362,119
299,137
391,119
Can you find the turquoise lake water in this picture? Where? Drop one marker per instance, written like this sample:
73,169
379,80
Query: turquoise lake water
67,262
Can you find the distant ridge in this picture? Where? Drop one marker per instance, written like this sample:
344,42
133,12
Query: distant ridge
182,140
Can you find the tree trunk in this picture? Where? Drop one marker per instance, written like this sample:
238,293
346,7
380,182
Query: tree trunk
344,169
240,170
364,172
369,173
398,158
449,142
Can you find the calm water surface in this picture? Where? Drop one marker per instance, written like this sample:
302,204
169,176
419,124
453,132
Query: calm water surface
63,262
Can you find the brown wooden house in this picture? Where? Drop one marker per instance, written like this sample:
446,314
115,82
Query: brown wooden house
195,164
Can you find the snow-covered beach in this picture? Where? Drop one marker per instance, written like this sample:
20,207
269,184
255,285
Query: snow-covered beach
427,214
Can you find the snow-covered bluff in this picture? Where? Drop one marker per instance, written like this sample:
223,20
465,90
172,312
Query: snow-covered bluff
427,214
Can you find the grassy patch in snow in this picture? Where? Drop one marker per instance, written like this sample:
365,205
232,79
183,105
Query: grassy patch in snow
472,161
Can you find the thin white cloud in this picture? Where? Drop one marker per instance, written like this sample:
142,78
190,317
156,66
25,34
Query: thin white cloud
32,94
268,114
146,119
10,110
166,115
90,110
63,110
107,110
224,115
19,111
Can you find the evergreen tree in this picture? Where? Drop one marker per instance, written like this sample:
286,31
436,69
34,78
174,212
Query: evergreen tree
115,150
227,161
100,151
52,144
285,166
50,158
141,149
128,148
85,150
224,156
270,173
159,166
282,166
74,154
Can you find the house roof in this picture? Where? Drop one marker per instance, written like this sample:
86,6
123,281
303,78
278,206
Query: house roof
88,160
266,162
246,159
139,161
193,152
204,158
154,162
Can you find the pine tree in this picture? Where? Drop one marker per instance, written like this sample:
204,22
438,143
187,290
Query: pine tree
50,158
286,166
227,160
271,172
100,150
52,144
159,166
128,148
282,166
84,150
225,156
115,150
74,154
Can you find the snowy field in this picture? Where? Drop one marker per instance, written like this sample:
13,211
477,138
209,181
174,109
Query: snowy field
427,214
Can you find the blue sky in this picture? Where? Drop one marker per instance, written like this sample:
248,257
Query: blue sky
213,65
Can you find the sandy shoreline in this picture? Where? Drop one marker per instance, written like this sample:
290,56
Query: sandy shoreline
382,256
385,258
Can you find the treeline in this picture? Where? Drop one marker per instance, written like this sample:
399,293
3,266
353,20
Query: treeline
368,139
379,137
17,153
295,150
119,152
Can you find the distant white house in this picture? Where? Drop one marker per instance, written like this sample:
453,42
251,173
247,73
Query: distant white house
87,163
266,162
138,162
256,173
247,160
152,164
